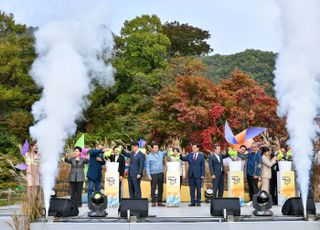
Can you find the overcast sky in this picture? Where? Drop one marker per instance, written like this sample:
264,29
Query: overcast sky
234,25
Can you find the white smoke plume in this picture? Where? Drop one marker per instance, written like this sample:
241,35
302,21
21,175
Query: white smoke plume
71,53
296,81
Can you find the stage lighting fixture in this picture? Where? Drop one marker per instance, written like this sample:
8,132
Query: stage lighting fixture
262,203
208,195
98,203
53,193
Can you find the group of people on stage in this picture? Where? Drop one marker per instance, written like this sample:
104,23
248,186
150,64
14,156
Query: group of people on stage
258,162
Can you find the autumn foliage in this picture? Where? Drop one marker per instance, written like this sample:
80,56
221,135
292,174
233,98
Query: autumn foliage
195,109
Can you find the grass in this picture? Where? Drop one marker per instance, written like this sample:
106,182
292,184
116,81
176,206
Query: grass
31,204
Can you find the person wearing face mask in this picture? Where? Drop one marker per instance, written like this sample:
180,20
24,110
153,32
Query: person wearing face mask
76,175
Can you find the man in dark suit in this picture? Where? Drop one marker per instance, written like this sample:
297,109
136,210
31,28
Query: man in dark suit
94,173
196,173
137,159
216,171
118,157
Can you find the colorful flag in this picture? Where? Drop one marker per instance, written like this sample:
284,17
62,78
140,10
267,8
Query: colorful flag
21,166
142,143
84,153
80,142
243,138
25,148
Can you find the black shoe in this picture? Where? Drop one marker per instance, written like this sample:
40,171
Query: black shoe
160,204
191,205
199,205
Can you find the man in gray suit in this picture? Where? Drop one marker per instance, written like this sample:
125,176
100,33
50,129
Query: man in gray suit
76,175
217,171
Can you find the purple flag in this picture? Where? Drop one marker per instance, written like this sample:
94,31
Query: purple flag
84,153
142,143
228,135
21,166
25,148
252,132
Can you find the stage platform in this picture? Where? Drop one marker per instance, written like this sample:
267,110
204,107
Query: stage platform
166,218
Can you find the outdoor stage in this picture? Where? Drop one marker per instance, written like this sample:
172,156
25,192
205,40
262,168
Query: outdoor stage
182,217
164,218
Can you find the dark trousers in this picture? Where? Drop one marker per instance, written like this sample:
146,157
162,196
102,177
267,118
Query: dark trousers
76,192
218,185
134,187
195,184
157,181
273,187
253,186
120,191
91,184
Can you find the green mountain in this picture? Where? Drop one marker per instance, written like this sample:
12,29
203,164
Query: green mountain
258,64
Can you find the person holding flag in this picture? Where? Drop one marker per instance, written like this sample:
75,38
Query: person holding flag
76,174
32,158
96,160
94,174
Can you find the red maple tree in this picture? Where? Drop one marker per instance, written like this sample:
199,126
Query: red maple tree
194,109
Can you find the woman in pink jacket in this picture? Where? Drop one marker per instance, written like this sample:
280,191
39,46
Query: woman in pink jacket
267,163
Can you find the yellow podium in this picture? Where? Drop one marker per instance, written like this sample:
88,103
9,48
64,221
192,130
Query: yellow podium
173,184
235,181
286,186
111,184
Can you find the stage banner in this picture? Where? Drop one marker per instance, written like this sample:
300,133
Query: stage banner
236,185
173,189
111,188
286,186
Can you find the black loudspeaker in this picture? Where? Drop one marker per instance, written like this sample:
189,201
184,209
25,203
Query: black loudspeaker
232,205
137,207
293,207
60,207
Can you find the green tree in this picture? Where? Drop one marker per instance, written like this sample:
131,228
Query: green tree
187,40
141,46
141,52
258,64
17,89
